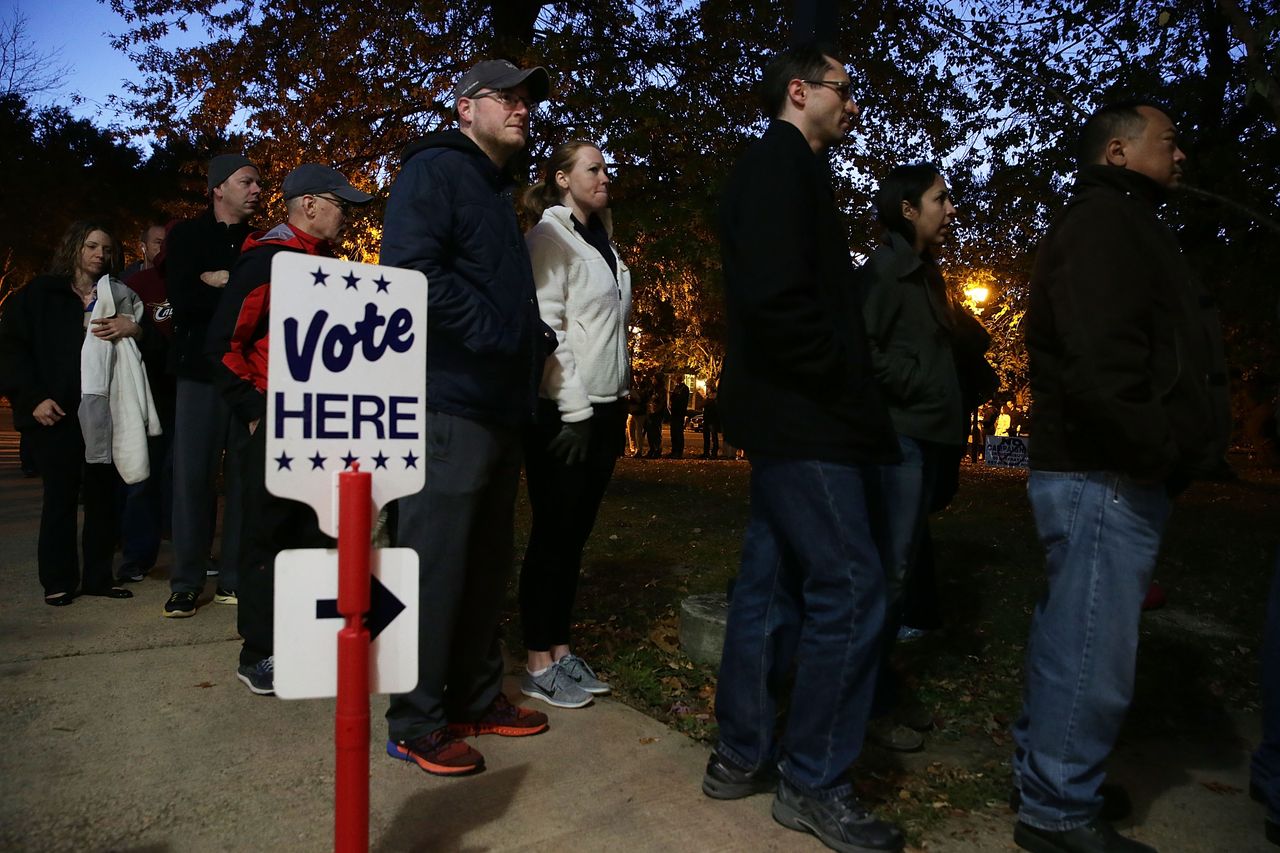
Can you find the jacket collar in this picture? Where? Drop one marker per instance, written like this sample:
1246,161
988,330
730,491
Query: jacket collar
561,215
1120,179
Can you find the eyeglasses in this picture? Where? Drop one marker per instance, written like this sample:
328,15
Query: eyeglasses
336,202
509,100
844,90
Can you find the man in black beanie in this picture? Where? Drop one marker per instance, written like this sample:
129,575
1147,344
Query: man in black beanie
198,257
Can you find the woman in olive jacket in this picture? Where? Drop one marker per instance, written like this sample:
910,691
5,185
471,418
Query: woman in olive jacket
912,327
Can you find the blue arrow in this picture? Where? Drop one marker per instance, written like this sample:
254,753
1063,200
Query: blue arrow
384,607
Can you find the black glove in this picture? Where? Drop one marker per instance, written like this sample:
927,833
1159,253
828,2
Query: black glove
570,444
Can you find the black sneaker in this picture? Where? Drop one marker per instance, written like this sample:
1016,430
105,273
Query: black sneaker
131,574
724,781
260,678
225,596
842,824
180,605
1096,836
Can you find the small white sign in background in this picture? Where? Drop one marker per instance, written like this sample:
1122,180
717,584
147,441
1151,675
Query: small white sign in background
307,623
347,379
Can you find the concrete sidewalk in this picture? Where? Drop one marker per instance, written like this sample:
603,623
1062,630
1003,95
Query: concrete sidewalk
127,731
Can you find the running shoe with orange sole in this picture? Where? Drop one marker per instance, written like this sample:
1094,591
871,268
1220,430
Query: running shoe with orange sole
502,719
439,753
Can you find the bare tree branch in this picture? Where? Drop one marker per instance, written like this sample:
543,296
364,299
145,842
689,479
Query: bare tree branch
24,70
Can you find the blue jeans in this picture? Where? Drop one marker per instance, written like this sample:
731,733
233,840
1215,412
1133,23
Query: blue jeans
1101,533
1266,760
900,514
809,598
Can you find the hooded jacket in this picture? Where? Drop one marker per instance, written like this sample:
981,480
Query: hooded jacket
1126,365
798,381
450,217
239,342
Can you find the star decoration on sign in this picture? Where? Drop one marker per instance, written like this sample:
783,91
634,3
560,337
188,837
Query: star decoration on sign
351,279
410,461
283,461
379,461
320,276
350,459
382,283
317,461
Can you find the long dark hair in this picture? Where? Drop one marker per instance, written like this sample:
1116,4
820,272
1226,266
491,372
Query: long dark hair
907,182
67,255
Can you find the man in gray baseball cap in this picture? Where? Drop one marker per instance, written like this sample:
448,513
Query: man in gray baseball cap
450,216
315,179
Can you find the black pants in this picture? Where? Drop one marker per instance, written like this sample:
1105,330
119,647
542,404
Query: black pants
271,525
710,440
565,500
59,452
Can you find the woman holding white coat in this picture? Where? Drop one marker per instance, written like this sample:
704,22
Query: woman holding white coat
584,294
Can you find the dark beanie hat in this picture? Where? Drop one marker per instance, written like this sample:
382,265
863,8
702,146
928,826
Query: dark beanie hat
224,166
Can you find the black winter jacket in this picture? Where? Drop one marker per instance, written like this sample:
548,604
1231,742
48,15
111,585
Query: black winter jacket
40,339
1126,365
797,378
195,246
450,217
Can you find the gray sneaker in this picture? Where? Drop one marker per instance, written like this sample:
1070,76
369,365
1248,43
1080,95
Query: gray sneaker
577,669
555,687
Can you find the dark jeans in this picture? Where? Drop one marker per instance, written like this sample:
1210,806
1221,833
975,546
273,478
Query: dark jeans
710,440
677,434
1101,533
142,508
809,600
900,512
461,525
203,429
59,452
1266,760
564,500
271,524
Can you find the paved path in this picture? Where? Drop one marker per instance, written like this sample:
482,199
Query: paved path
127,731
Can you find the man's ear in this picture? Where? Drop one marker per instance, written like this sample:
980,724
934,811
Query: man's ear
797,91
464,110
1115,152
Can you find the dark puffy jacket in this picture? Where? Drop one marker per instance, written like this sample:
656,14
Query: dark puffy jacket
450,217
193,247
797,378
1127,372
239,341
40,339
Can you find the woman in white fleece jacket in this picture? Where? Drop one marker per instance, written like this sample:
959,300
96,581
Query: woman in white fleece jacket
584,294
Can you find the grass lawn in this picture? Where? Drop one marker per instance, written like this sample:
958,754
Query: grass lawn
672,528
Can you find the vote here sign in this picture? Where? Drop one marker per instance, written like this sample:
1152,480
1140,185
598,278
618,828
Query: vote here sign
347,379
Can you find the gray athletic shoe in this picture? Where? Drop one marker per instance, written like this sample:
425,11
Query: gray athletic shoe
555,687
577,669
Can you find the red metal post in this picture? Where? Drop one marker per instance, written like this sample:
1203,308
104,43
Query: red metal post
351,720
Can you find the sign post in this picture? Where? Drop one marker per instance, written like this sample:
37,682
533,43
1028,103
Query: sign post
346,421
351,724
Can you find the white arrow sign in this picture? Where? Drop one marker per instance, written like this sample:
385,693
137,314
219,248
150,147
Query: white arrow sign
307,622
347,379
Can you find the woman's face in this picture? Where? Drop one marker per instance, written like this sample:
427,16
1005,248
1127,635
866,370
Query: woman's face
95,254
933,218
586,185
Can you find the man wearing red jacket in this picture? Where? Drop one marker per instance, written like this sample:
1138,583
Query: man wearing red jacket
317,198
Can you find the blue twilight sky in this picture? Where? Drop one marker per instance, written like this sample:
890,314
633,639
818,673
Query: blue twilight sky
77,30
